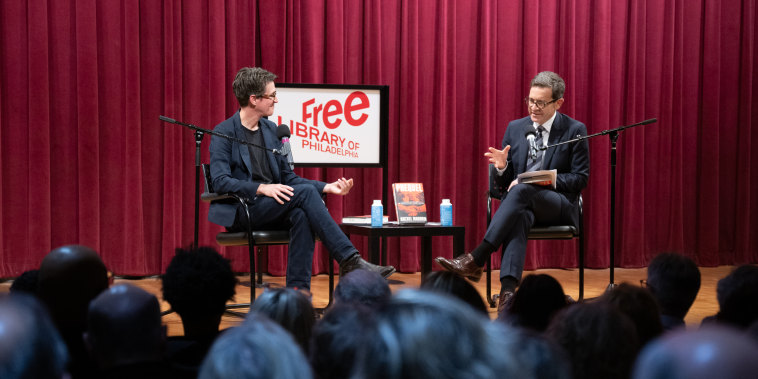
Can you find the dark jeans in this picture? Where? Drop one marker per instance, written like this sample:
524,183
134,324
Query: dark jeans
304,215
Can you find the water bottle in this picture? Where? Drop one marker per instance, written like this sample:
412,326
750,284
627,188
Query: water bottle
377,213
446,213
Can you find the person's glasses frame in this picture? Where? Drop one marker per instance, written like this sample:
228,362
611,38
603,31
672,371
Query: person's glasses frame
272,96
540,104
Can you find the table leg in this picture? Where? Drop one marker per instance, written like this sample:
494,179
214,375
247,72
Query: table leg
458,240
373,250
426,256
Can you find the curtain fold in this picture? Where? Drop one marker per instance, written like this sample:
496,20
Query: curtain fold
84,158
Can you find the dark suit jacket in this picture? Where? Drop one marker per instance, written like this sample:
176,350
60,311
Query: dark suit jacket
571,160
231,167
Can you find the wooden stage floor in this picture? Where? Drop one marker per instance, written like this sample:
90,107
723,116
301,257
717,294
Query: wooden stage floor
596,282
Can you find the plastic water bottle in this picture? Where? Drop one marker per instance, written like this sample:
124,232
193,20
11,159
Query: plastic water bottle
446,213
377,213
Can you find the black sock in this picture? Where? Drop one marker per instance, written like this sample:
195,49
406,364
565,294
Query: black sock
508,283
482,253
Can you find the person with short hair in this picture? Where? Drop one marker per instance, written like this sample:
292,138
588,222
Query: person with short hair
289,308
124,334
362,287
525,205
277,197
257,349
674,281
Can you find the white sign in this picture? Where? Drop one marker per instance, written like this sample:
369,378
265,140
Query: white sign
336,126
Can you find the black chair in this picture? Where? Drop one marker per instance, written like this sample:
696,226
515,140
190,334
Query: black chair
539,232
253,239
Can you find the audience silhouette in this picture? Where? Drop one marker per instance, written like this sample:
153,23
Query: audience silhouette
257,349
447,282
30,346
535,303
362,287
124,334
674,281
289,308
69,278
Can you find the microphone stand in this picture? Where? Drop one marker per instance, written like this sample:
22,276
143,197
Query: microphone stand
613,135
199,134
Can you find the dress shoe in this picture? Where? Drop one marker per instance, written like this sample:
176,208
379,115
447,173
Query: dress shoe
355,262
463,266
503,300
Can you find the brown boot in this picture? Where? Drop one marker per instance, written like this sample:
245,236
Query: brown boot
463,265
502,301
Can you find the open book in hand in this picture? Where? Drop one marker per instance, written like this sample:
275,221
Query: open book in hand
545,178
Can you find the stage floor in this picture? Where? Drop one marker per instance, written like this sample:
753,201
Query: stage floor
596,282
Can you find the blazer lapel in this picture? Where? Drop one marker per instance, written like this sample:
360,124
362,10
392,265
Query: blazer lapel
269,139
555,135
523,152
242,150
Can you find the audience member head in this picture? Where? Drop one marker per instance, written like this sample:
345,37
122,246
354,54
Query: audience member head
738,297
538,356
69,278
674,281
124,327
30,346
26,282
362,287
422,334
257,349
710,352
336,339
452,284
197,284
537,300
640,306
600,341
289,308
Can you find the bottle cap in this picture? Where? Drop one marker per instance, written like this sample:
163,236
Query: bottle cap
445,201
377,202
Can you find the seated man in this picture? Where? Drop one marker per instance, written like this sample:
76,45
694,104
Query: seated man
277,196
528,204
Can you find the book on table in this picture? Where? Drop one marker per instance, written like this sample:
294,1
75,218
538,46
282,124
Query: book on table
362,220
409,203
545,178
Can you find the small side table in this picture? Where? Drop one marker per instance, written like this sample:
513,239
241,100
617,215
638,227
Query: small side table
425,231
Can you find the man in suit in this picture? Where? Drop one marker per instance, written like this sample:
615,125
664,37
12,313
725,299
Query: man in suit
277,196
528,204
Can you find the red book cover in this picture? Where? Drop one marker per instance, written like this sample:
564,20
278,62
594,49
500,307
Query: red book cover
409,203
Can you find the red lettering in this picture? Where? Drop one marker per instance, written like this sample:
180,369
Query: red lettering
307,115
351,107
314,133
301,130
332,108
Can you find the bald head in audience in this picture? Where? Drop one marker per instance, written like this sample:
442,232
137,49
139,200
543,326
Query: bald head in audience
124,327
711,352
69,278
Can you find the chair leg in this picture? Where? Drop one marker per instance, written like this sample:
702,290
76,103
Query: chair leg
490,300
581,267
331,282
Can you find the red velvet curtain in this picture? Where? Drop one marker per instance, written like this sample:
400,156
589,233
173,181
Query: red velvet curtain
84,158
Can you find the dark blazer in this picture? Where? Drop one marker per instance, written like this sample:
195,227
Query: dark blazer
571,160
231,167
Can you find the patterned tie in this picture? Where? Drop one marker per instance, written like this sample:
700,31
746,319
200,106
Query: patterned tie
534,165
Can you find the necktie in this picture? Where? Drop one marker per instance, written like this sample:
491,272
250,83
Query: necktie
534,165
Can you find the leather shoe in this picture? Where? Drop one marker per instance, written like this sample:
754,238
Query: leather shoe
503,300
355,262
463,265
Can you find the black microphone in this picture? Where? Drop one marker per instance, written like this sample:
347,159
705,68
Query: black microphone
530,135
283,133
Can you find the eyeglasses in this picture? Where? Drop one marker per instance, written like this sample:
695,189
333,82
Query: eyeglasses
271,96
538,103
